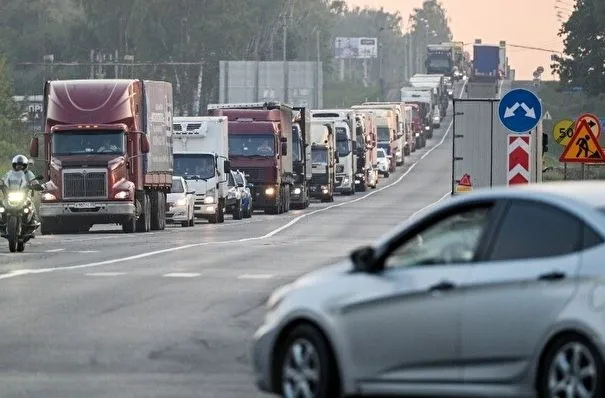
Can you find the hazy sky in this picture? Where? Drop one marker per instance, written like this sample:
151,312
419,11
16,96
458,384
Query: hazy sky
524,22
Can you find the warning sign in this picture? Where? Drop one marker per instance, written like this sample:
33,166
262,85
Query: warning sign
583,147
464,184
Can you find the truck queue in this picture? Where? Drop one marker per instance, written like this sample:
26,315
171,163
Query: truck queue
113,153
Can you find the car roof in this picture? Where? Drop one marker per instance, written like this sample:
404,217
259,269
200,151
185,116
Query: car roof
582,198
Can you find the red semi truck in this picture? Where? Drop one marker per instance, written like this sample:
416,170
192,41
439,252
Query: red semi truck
260,145
107,149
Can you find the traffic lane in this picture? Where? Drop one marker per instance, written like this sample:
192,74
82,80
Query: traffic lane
106,242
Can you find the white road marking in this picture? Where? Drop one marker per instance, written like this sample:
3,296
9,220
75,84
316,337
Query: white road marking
105,274
54,250
181,275
263,237
85,251
447,195
255,276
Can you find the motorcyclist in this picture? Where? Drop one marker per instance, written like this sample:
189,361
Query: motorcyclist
20,163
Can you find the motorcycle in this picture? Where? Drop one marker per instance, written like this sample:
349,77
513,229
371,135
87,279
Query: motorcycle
17,209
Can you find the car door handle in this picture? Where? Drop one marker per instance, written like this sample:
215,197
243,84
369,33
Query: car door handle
552,276
442,286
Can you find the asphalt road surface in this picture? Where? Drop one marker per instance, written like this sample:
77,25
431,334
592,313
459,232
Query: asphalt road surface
171,313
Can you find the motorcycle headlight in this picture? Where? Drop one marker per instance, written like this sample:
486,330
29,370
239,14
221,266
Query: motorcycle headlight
15,197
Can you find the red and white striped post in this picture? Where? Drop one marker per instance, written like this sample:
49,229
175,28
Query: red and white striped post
518,159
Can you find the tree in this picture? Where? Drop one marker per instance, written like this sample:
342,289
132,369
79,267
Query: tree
584,52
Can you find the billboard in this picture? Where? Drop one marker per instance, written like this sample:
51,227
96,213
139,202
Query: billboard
356,47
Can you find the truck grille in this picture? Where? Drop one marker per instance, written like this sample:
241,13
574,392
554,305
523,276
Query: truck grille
254,174
84,184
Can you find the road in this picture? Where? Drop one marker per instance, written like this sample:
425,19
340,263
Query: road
171,314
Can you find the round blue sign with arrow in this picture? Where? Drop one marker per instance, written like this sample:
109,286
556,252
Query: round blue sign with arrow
520,110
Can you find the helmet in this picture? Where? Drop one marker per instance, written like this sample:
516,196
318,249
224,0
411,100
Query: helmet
20,160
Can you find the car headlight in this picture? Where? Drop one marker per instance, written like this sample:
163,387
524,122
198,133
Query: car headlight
122,195
270,191
297,191
15,197
209,200
48,196
427,128
181,202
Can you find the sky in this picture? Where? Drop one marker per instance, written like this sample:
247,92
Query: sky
522,22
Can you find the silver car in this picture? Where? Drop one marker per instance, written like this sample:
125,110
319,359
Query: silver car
493,293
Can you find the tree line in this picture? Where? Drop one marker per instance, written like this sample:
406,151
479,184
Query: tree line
582,63
182,41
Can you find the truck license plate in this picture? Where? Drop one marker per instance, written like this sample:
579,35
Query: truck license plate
83,205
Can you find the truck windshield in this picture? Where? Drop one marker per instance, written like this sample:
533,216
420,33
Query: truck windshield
252,145
297,153
194,166
177,186
384,134
343,144
320,155
439,63
88,142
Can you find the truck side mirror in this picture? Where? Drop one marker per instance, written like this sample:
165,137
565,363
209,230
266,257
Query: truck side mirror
284,148
34,147
144,143
227,166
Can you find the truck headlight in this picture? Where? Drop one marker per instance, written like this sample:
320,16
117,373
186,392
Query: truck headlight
121,195
427,128
297,191
15,198
181,202
209,200
48,196
270,191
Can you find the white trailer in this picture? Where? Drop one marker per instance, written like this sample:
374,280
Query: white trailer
201,156
344,122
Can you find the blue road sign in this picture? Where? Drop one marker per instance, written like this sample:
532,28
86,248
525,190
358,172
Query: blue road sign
520,110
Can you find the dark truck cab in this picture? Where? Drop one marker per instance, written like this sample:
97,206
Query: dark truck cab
260,145
301,159
107,150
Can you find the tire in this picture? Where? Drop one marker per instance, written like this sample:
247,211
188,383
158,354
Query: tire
46,226
565,346
158,211
129,226
221,211
12,233
20,247
238,211
192,220
144,222
317,358
387,174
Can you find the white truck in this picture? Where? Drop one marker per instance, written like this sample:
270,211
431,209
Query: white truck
201,156
424,98
404,141
344,122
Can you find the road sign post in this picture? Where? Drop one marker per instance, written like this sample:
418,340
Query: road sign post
520,111
518,159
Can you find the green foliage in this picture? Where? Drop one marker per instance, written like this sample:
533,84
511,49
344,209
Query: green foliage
582,65
154,31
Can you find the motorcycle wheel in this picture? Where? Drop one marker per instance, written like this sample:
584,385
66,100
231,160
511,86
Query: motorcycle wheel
12,233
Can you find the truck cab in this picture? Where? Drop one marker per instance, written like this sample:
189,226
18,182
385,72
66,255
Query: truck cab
301,159
325,158
107,150
346,144
200,156
260,145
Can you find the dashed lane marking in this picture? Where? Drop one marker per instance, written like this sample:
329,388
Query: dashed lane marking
182,275
255,276
276,231
105,274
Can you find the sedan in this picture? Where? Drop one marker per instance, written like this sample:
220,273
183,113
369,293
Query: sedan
497,293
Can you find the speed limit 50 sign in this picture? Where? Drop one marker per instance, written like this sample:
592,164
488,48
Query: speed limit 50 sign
563,131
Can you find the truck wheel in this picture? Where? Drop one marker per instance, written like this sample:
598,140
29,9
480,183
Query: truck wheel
46,226
158,211
129,226
221,210
237,210
287,204
144,222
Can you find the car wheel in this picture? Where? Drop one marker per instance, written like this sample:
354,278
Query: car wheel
572,367
306,366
